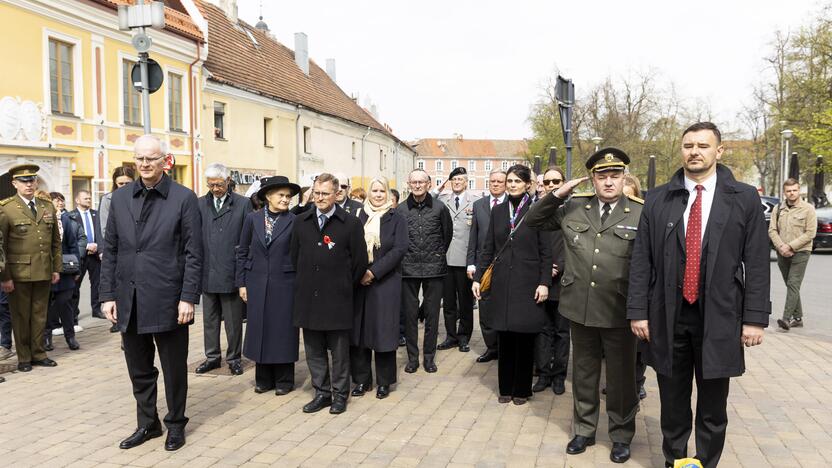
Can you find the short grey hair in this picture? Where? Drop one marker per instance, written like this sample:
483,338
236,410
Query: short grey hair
216,171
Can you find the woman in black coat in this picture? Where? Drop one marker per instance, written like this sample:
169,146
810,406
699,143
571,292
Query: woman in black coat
60,312
520,283
378,299
266,279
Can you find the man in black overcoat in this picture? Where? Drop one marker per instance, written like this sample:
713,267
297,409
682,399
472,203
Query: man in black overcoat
151,278
699,290
330,256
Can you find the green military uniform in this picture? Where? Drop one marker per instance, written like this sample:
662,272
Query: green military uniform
33,253
594,295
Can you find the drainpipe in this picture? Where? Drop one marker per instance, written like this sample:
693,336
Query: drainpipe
396,165
298,143
363,139
191,95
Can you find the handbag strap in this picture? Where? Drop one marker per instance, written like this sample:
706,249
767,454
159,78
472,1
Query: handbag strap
508,241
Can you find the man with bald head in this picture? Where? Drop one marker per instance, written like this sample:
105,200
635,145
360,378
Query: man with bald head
151,278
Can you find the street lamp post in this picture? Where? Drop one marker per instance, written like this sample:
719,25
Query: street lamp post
787,138
139,17
597,140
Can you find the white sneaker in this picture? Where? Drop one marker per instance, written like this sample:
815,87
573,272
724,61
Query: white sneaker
78,328
57,331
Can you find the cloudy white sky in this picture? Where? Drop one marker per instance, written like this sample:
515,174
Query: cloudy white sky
435,68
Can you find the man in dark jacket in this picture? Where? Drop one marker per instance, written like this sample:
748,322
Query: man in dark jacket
151,277
699,290
330,256
223,213
87,218
430,231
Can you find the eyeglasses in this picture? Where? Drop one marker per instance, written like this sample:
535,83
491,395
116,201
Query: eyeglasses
344,187
146,160
217,185
321,194
552,181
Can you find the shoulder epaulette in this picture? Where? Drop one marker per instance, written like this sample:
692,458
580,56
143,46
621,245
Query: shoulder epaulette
583,194
636,199
6,201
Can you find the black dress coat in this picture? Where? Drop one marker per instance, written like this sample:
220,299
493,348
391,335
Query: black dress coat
735,267
378,306
220,236
153,254
69,245
525,264
267,273
327,277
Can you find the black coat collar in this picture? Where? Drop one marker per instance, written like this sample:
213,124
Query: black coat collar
312,213
411,202
163,187
724,179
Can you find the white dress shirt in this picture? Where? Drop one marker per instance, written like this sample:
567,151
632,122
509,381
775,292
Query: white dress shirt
707,200
601,206
83,215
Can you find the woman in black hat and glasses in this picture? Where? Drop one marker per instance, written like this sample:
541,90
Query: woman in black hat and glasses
266,279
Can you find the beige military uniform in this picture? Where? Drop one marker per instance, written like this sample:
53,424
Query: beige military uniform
33,252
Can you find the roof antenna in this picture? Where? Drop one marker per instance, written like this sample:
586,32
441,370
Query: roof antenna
261,25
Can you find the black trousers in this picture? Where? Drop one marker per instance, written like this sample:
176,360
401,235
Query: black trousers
275,375
432,291
458,305
316,343
489,335
515,364
675,393
60,313
92,266
140,352
5,322
361,366
641,368
551,354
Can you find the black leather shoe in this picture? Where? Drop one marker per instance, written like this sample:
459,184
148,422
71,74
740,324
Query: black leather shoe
361,389
142,435
447,344
207,366
558,387
642,393
2,379
24,367
464,348
236,368
259,389
175,439
620,452
280,391
47,343
73,344
318,403
430,367
46,362
784,325
541,384
411,367
382,392
339,405
487,356
114,328
402,341
579,444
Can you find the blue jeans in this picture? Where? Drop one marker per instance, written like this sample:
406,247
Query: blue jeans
5,322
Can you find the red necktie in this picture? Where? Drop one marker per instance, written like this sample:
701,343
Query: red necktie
493,203
693,248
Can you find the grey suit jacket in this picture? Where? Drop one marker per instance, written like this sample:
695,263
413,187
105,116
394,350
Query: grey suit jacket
479,229
462,219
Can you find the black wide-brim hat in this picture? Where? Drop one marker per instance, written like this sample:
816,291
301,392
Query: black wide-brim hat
268,184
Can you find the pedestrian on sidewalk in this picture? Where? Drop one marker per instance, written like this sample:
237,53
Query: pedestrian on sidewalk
151,278
89,221
61,314
122,176
792,228
699,291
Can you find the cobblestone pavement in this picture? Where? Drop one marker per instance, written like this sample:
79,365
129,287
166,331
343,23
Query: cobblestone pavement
75,414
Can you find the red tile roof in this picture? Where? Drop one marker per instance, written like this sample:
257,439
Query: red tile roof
269,69
177,22
455,147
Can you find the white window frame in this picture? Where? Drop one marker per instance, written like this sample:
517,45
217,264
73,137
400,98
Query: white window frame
121,58
504,165
472,183
183,77
420,164
439,165
489,165
437,181
77,71
472,165
454,164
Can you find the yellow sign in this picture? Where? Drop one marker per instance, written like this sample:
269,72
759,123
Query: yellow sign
687,463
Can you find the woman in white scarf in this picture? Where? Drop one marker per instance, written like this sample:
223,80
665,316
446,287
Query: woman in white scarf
375,332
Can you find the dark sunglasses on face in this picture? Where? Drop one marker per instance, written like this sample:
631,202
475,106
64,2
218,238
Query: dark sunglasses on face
552,181
344,187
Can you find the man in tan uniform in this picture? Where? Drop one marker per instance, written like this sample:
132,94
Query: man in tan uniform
29,227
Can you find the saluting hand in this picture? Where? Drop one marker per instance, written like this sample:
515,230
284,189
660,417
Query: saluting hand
567,187
186,312
641,329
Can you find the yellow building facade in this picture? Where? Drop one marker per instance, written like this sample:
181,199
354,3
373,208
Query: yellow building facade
67,102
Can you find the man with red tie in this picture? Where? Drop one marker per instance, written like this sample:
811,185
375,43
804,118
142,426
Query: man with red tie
699,291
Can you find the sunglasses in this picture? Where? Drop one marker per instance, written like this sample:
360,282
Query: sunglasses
552,181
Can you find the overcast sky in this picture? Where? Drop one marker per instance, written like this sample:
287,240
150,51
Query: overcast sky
435,68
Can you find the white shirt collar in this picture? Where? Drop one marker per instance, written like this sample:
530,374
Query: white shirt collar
499,199
25,201
81,210
709,184
328,214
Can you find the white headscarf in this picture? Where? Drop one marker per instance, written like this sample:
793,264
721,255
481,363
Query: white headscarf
372,228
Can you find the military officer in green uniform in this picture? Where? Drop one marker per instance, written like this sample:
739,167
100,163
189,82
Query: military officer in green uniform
598,232
29,227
